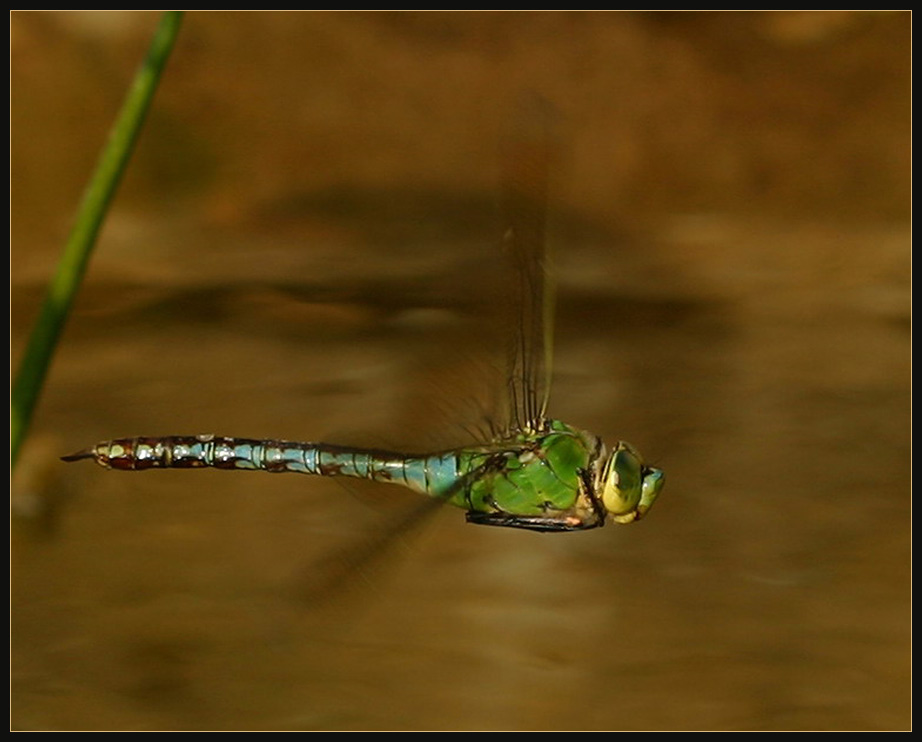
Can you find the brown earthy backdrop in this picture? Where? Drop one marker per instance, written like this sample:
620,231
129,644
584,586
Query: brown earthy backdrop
298,251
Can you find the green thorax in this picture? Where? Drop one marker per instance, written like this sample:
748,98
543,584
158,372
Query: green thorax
531,473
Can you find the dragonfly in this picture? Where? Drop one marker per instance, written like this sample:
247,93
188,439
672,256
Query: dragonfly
530,471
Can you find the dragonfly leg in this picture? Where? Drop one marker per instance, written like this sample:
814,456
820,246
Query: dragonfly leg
532,522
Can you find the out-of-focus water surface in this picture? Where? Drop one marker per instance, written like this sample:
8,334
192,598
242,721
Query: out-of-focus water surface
296,253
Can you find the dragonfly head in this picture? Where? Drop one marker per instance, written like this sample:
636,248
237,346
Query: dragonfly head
628,487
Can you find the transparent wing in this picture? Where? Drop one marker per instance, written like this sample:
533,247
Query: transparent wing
528,152
360,564
488,375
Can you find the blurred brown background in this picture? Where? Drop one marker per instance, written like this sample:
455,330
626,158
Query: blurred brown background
296,252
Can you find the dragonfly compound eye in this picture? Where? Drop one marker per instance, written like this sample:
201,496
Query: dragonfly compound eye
623,484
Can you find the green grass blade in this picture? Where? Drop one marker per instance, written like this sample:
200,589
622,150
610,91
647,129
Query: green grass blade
98,195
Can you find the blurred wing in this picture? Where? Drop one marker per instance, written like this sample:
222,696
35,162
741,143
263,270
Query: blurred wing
527,158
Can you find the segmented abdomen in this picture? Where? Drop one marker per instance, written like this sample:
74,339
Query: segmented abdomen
430,474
